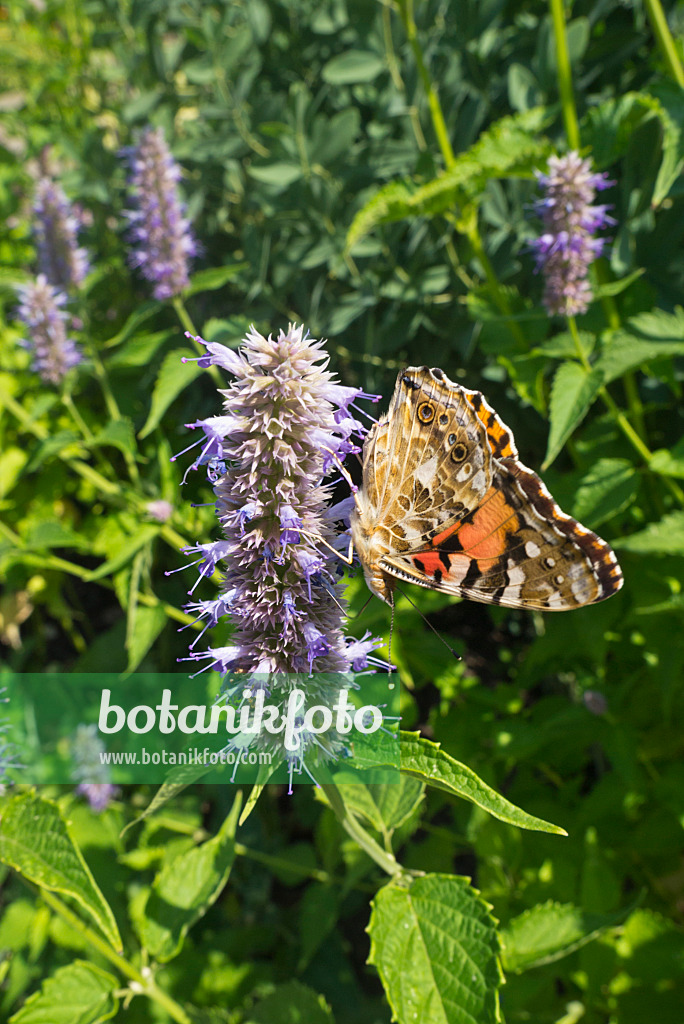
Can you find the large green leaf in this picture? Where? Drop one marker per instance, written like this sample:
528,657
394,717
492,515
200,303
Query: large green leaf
665,537
185,888
426,761
572,395
352,67
173,377
435,946
79,993
645,338
549,932
35,841
512,147
609,486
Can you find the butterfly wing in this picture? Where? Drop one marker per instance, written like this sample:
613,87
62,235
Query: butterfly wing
517,549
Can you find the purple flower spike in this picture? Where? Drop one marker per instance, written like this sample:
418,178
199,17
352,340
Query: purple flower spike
567,248
63,262
89,771
162,240
41,310
285,425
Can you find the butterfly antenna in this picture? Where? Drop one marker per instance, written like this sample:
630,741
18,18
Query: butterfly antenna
427,623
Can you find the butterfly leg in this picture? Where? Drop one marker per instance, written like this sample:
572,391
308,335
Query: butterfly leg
348,560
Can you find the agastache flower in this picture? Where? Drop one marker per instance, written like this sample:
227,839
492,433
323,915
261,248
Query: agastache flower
42,312
567,248
89,771
286,422
63,262
161,236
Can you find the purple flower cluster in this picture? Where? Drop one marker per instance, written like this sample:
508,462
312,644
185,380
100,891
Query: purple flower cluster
161,236
42,311
286,424
89,771
567,247
63,262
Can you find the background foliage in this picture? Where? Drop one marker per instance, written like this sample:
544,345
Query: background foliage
322,191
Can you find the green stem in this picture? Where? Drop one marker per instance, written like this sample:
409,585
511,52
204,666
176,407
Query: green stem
619,417
565,74
496,291
656,16
438,122
353,827
78,419
144,983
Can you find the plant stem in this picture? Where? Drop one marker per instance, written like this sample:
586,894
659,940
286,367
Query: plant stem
144,984
498,294
438,122
619,417
656,16
353,827
565,74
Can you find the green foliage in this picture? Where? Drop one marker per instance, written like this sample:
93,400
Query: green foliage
376,184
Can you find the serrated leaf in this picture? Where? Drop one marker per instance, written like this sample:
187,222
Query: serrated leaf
79,993
435,946
35,841
173,377
185,888
213,277
573,392
352,67
118,434
292,1003
512,147
608,487
387,806
426,761
645,338
549,932
665,537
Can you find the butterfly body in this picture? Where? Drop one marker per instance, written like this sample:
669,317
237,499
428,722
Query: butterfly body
446,503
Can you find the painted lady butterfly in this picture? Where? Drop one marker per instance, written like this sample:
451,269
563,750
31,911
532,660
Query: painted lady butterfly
446,503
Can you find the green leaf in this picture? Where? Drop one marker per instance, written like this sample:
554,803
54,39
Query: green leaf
51,533
424,760
352,67
612,288
512,147
280,175
12,462
144,627
573,393
173,377
131,544
435,946
56,444
117,434
608,487
669,463
645,338
213,277
141,313
386,806
140,350
549,932
665,537
292,1003
79,993
185,888
35,841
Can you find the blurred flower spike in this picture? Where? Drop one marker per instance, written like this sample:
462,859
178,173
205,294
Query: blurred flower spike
160,233
63,262
89,771
567,247
42,312
8,751
286,425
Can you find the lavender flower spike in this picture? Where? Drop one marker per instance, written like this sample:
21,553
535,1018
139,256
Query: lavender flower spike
43,315
567,248
60,258
280,582
161,236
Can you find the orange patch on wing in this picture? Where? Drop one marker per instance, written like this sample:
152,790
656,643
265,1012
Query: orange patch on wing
431,563
486,535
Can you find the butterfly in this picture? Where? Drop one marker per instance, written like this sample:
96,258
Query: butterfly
446,503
